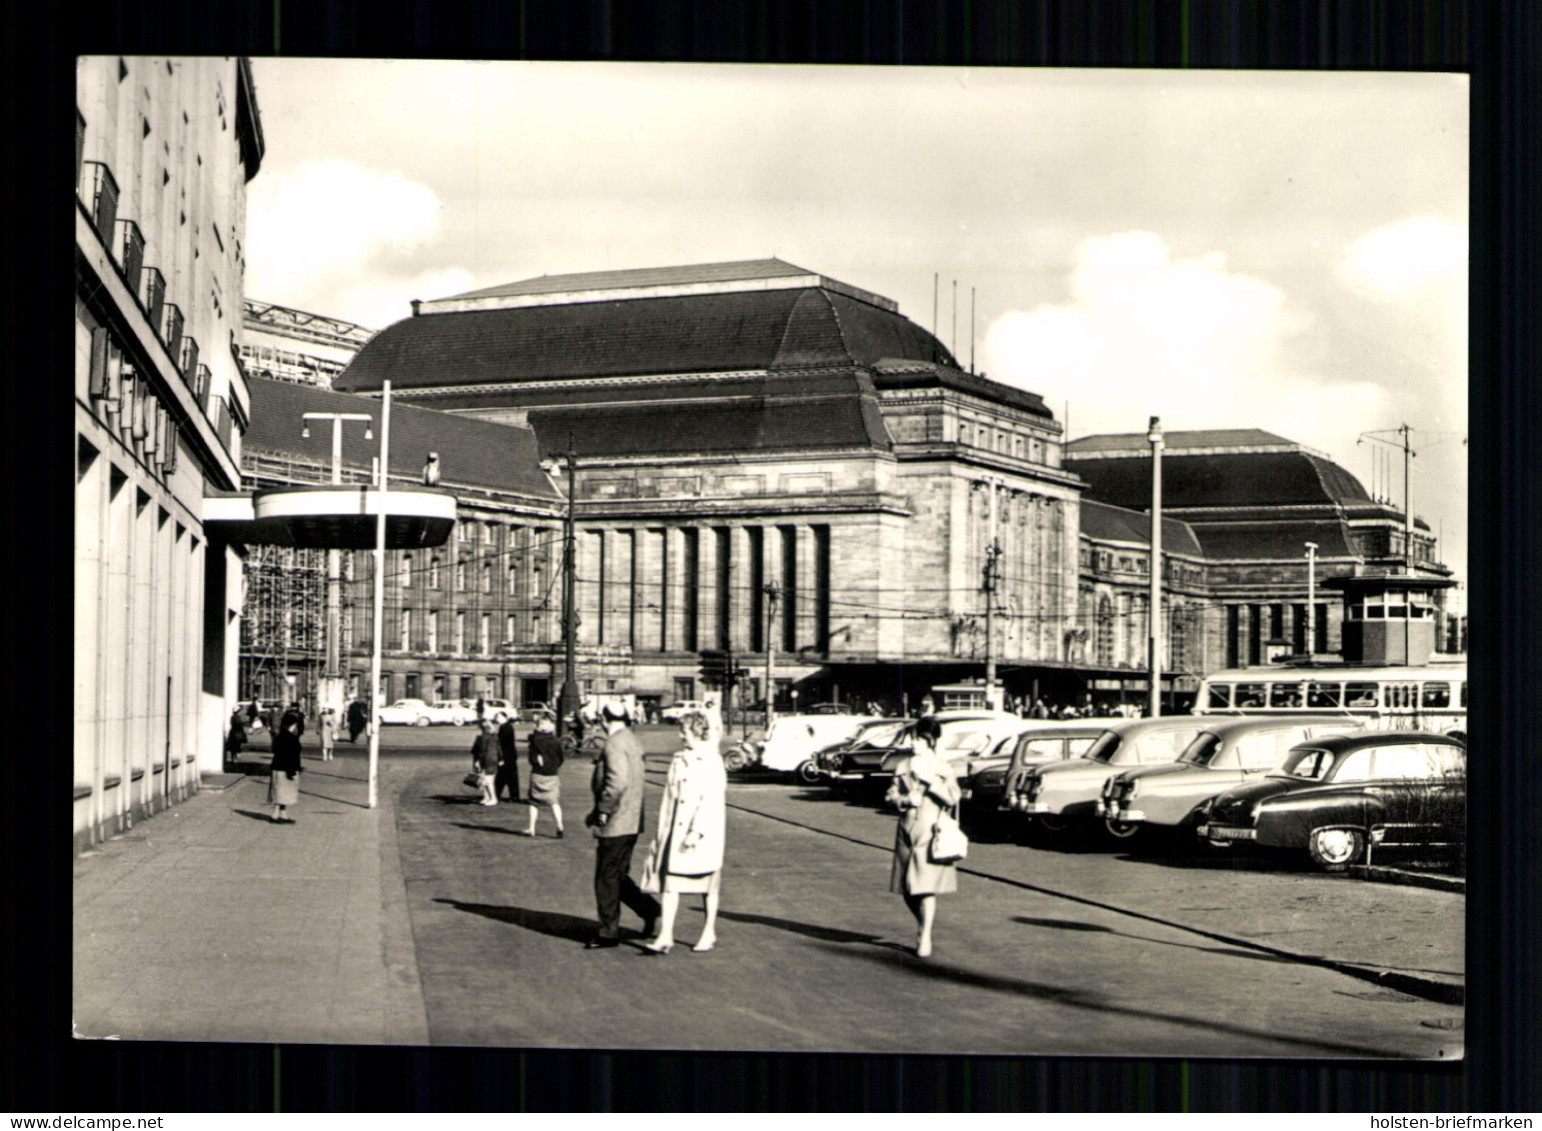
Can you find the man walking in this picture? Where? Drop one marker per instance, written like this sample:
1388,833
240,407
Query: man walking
508,770
617,784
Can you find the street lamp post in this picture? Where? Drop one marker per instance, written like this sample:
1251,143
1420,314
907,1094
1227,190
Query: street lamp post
1154,612
382,475
334,556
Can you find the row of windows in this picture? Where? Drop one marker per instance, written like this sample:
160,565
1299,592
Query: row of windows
998,440
1330,695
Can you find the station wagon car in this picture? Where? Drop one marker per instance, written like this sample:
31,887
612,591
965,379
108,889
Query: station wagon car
1335,798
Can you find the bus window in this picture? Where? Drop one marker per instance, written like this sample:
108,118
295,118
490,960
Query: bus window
1220,696
1324,695
1360,694
1250,695
1435,696
1285,695
1464,694
1400,696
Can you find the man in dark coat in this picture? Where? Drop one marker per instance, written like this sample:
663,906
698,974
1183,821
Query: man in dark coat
356,720
508,771
616,820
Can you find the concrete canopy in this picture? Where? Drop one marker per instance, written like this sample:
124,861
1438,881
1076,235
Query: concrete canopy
332,517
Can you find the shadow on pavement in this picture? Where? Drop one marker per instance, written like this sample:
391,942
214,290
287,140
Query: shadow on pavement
554,923
456,799
811,930
492,828
264,817
939,971
1074,925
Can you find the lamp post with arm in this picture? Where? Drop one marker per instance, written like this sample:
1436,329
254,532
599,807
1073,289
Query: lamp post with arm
334,557
568,701
382,474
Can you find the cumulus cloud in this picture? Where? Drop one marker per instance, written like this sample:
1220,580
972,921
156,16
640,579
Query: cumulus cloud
1145,334
1409,259
313,233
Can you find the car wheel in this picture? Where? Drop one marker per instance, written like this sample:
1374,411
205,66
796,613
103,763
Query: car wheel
1054,822
807,773
1336,849
422,721
1121,830
459,722
594,744
735,758
568,745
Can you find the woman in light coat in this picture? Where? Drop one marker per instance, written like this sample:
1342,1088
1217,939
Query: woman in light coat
925,786
687,852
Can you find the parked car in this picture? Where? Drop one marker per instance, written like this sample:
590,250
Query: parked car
407,712
792,741
499,711
1336,797
1220,757
1040,741
869,733
456,712
1062,793
963,733
672,713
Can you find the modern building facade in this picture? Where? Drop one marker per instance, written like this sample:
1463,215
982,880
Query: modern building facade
164,149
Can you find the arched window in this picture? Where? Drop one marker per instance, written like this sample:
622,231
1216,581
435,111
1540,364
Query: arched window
1105,637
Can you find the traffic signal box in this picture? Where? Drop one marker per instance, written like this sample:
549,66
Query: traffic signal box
718,669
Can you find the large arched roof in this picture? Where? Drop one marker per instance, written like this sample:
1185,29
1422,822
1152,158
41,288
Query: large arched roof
764,330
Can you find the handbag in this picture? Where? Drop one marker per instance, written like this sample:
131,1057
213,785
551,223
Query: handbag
949,844
473,780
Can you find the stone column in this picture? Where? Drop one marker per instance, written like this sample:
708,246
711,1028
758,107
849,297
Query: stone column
707,610
587,587
740,577
649,573
808,588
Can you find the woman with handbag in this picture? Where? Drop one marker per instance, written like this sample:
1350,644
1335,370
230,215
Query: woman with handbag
927,842
687,852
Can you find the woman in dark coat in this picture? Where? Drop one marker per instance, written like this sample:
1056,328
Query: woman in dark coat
236,740
284,777
545,752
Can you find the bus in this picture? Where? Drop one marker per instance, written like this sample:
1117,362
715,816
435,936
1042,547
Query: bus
1431,698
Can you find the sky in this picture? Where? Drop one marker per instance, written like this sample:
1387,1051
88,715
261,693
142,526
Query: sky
1223,249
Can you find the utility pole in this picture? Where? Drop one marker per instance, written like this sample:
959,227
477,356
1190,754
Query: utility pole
1404,431
992,555
1311,597
1154,613
773,595
568,703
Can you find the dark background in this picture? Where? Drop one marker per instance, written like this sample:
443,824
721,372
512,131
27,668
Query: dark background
1498,43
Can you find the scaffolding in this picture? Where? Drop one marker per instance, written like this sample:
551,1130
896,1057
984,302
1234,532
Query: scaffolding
283,622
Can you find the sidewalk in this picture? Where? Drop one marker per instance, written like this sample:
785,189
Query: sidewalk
176,936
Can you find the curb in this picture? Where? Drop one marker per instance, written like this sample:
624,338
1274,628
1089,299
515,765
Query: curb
1378,874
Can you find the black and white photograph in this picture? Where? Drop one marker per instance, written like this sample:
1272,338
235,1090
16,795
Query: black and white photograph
922,560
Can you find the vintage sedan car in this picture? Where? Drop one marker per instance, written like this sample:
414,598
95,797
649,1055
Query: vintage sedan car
964,733
1222,756
1063,793
810,747
1336,797
499,711
673,712
409,712
1039,741
456,712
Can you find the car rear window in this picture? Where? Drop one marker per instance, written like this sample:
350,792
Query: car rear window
1309,764
1104,746
1201,750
